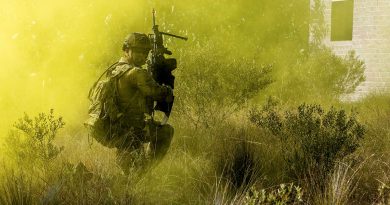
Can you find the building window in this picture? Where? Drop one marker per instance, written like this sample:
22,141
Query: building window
342,20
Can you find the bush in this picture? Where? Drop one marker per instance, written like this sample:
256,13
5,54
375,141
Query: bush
284,194
321,76
313,139
32,142
332,75
210,87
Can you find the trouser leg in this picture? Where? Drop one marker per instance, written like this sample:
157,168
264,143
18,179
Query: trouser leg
128,147
131,160
160,137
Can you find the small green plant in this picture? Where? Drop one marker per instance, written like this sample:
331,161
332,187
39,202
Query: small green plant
313,139
284,194
32,142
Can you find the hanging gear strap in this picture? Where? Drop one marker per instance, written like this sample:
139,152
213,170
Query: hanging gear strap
94,85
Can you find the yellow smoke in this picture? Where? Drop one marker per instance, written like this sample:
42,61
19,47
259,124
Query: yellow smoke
52,51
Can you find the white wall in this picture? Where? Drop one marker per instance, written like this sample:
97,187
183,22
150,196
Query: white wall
370,40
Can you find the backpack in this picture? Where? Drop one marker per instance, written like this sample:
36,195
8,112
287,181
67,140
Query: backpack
104,109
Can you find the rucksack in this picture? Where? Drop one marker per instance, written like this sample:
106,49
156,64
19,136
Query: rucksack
104,110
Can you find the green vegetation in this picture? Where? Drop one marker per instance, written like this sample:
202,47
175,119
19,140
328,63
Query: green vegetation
31,143
312,140
285,194
233,143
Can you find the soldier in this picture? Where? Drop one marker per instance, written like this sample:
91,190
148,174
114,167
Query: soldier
135,92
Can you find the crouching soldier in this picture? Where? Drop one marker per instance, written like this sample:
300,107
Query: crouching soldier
122,102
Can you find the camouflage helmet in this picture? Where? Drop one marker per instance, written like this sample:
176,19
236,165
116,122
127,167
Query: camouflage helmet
137,40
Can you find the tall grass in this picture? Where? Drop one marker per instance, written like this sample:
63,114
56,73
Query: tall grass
224,164
16,188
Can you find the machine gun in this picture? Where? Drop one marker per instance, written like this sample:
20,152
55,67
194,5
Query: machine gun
161,67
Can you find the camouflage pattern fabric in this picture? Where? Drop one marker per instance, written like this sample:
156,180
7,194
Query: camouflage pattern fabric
117,114
104,111
119,104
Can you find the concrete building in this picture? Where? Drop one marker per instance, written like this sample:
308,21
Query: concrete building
363,26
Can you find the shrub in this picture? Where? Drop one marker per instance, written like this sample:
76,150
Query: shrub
313,139
321,76
32,142
284,194
210,87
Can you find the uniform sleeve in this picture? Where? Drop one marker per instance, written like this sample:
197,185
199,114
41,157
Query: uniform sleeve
149,87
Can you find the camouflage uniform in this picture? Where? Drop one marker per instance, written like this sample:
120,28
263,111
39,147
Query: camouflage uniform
136,92
120,105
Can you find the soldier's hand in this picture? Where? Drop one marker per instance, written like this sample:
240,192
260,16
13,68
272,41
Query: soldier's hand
169,95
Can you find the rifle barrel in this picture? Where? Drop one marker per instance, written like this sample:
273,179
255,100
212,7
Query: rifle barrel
154,17
176,36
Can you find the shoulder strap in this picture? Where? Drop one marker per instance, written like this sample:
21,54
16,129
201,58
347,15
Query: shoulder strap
109,68
120,70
